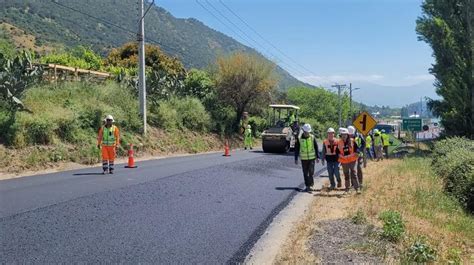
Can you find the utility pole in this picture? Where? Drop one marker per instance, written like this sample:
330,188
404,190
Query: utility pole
339,87
350,100
141,64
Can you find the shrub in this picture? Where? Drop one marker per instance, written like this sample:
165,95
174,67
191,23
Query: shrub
420,251
182,113
393,226
453,161
166,117
192,113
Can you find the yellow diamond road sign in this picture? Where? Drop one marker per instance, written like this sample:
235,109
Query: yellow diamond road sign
364,123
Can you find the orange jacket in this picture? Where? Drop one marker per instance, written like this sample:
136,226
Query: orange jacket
100,135
347,153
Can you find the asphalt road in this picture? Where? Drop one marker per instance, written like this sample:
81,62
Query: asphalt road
205,209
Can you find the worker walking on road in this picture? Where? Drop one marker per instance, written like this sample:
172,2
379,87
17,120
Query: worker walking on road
330,156
108,139
347,150
368,147
385,142
378,145
248,138
307,149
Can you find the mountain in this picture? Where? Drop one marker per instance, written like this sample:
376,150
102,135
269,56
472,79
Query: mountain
70,23
394,96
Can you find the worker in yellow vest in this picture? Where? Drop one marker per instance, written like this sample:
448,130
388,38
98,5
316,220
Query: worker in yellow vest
108,139
248,138
368,146
347,150
378,145
306,148
385,142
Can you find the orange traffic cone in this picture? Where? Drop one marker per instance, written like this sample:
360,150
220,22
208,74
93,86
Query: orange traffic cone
131,161
226,148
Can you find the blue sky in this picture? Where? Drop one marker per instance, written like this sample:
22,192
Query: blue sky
356,41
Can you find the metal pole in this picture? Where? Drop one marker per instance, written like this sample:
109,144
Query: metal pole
350,102
339,87
339,104
141,64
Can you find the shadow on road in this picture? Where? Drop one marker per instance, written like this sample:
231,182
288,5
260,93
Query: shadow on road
88,174
289,188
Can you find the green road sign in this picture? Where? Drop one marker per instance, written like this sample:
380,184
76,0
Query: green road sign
412,124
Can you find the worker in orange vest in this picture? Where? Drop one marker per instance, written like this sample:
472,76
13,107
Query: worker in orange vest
330,156
347,149
108,139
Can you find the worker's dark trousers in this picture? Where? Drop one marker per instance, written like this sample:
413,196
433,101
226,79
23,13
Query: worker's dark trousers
308,172
360,161
385,150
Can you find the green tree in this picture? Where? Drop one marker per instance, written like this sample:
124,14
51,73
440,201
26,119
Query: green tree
198,84
242,80
447,27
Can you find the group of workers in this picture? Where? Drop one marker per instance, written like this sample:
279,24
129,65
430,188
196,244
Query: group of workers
349,151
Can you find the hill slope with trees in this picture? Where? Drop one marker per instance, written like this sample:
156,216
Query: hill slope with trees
71,23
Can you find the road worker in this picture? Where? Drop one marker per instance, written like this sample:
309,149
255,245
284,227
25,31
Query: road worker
368,146
386,142
330,156
360,142
248,138
306,148
108,139
378,145
347,150
361,159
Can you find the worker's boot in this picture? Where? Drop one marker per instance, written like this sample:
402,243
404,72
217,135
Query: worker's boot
339,185
111,168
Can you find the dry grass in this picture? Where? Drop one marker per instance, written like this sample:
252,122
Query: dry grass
296,249
407,186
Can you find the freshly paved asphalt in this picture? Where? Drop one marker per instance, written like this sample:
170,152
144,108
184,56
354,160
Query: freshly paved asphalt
205,209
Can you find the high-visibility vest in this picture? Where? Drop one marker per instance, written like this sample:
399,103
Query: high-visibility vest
358,141
307,150
368,142
346,152
386,139
377,140
108,135
330,146
248,132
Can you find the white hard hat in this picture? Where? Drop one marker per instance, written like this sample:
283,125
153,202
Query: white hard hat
331,130
307,127
351,129
109,117
383,130
343,131
248,126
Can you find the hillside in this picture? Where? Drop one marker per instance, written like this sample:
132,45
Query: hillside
54,25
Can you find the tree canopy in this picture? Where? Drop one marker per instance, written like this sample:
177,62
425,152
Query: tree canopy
447,27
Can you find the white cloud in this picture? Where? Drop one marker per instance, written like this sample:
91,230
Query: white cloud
330,79
420,78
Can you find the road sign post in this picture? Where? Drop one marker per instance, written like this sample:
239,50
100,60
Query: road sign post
364,123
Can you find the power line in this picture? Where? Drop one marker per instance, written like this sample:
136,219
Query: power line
252,39
263,38
228,27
